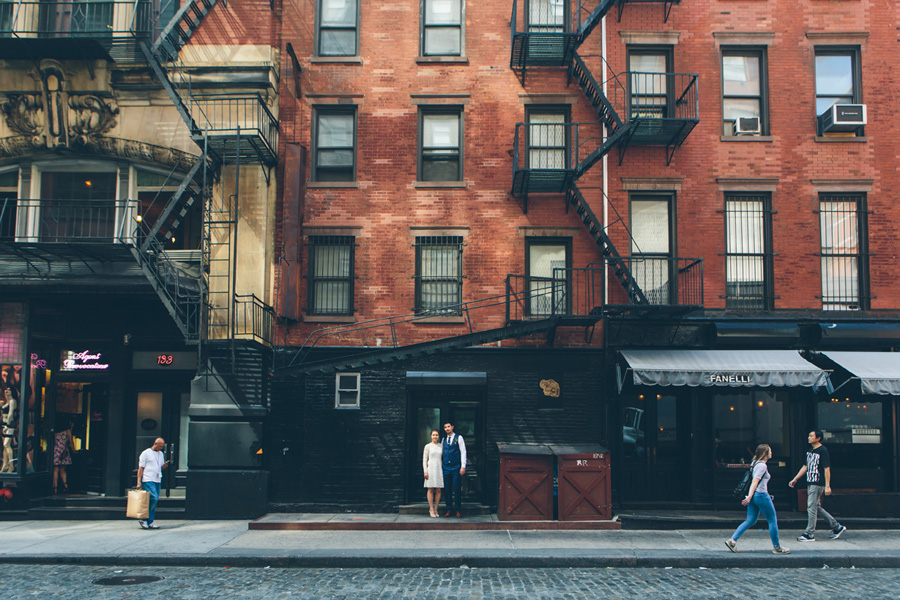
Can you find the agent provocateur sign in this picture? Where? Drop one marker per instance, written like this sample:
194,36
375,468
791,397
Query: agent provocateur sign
80,361
727,378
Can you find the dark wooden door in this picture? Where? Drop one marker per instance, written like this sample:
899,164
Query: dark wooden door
655,460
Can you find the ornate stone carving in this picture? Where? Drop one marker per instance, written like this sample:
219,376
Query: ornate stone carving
90,116
24,115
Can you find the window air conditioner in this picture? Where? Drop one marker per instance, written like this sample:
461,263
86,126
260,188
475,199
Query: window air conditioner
746,126
843,117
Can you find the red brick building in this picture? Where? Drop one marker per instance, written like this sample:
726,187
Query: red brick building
645,224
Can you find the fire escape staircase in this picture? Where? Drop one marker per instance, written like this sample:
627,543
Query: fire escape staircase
534,171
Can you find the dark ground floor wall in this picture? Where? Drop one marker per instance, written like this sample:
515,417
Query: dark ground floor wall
369,458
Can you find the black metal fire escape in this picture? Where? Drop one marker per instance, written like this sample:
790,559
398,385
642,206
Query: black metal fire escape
649,109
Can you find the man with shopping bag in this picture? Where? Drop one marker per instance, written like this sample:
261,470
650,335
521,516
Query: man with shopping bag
149,477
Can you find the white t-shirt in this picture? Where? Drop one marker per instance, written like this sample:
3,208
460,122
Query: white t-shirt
152,461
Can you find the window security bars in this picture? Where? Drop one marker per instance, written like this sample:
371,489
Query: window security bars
748,258
842,220
442,28
338,22
546,16
331,275
547,148
439,275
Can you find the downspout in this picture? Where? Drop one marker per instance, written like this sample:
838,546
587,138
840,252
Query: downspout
605,156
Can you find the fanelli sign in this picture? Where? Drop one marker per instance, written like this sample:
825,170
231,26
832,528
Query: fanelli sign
84,360
727,378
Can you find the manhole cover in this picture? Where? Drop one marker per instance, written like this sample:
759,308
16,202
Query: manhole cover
127,580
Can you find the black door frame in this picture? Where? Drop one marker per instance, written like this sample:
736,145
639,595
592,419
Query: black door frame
171,412
447,399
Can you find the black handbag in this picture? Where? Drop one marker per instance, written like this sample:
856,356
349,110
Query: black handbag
743,488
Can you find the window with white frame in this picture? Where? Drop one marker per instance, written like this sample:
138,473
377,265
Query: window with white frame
346,390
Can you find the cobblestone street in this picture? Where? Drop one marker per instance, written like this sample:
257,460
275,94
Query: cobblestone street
65,582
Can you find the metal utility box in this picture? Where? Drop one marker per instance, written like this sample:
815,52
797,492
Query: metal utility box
584,482
526,482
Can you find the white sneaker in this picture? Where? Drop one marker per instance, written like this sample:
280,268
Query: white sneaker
152,526
144,525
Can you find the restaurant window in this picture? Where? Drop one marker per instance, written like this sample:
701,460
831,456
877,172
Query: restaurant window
331,274
853,431
439,275
442,26
748,258
338,28
844,258
743,420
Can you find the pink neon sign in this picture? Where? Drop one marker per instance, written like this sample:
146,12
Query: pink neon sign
84,361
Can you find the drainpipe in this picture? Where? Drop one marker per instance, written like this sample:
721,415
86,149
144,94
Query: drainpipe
605,156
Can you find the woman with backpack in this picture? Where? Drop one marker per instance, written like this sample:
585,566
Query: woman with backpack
759,501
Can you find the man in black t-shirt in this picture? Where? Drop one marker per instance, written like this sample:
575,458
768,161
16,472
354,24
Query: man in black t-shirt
818,480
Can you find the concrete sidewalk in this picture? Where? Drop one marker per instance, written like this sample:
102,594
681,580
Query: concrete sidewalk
230,543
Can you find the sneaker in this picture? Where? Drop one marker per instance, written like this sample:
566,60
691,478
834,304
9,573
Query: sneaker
806,538
732,545
143,524
836,533
780,550
152,526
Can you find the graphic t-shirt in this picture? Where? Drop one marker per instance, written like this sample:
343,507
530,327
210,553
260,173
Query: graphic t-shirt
817,460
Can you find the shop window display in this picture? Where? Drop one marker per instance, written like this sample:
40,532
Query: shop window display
853,432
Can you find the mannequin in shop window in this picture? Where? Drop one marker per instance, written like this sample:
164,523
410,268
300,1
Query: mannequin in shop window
8,415
63,448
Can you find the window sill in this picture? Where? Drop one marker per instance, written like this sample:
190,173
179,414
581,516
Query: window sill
439,184
347,60
841,140
746,138
459,60
440,320
329,319
332,184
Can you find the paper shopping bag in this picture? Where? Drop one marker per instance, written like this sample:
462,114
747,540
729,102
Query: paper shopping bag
138,504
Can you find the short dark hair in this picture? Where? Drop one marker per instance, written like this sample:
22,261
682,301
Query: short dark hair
818,433
450,423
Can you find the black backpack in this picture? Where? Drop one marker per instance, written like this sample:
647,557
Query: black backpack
743,488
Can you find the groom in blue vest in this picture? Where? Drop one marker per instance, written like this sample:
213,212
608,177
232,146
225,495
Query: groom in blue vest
453,464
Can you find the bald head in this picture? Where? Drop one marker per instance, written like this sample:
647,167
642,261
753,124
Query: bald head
158,444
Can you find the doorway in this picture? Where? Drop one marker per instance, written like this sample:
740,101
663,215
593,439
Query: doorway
161,412
83,407
655,448
430,410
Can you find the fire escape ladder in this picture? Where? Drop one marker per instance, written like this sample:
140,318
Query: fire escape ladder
174,94
593,19
607,248
176,208
180,29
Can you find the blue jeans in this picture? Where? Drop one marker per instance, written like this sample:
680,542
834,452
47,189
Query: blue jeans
153,488
760,503
452,488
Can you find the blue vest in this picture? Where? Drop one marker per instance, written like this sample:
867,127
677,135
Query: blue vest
452,456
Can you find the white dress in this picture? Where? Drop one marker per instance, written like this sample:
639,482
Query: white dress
431,464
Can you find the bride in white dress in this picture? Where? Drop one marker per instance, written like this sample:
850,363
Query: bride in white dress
434,474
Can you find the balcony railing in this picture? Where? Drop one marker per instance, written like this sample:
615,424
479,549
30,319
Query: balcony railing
253,319
663,108
584,292
115,24
68,221
545,155
238,125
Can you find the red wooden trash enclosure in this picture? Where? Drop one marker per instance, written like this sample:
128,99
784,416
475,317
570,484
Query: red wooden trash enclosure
526,483
583,482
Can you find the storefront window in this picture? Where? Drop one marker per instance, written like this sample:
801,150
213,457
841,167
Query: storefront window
37,424
744,420
852,431
12,349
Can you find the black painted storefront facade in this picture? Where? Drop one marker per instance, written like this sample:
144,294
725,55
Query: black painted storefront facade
698,440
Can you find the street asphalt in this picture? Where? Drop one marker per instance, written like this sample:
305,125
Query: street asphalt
231,543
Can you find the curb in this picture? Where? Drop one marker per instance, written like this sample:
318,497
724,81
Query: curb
413,559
